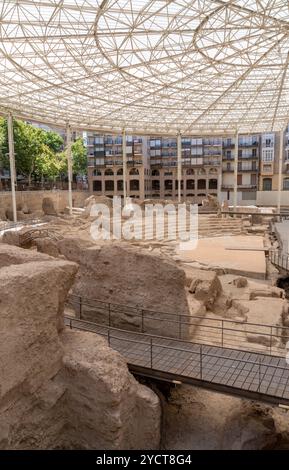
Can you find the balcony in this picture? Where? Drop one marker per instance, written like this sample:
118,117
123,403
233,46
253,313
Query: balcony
225,157
241,186
245,168
209,162
212,153
254,143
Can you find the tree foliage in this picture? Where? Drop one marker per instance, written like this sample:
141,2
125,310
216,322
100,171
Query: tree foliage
39,153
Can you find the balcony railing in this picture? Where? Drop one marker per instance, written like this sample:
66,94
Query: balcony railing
242,186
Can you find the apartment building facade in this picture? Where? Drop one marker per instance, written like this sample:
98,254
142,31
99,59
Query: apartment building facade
201,167
248,167
105,165
207,166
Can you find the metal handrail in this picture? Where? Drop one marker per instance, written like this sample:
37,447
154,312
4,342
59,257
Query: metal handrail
220,329
199,352
277,258
135,309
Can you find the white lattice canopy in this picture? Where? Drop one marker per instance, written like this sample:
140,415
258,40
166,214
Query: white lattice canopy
198,66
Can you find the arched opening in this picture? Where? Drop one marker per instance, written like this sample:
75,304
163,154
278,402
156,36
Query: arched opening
190,171
109,185
119,172
120,185
213,184
134,185
190,184
213,171
134,171
155,173
201,184
201,171
96,172
108,172
267,184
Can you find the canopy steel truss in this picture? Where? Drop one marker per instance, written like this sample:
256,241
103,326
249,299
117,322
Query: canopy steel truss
150,67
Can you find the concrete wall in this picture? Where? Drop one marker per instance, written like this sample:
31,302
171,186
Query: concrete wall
33,199
269,198
240,200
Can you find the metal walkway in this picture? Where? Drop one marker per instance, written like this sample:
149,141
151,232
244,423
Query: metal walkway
248,374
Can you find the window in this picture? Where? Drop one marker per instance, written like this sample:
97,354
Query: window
201,184
108,172
155,173
96,173
177,184
267,155
168,184
97,186
190,184
155,185
120,185
267,168
213,184
134,185
286,184
120,172
267,184
109,185
239,180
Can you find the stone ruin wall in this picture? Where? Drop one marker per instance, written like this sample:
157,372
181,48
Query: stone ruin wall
62,389
33,199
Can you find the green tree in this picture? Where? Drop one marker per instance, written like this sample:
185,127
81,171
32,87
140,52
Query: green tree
35,150
79,158
53,140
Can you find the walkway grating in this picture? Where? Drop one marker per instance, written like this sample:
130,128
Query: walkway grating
248,374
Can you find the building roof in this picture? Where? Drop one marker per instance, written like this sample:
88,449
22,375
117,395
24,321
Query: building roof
150,66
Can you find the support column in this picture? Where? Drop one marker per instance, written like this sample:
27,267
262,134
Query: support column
280,172
219,180
179,154
124,164
69,166
12,164
236,171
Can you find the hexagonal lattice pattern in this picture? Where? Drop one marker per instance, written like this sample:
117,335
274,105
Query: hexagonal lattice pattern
189,66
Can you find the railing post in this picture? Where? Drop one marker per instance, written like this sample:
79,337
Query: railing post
80,307
109,315
271,333
108,337
259,385
142,320
180,327
70,324
222,333
151,351
201,363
